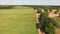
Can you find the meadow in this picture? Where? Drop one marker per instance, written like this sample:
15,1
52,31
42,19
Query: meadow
21,20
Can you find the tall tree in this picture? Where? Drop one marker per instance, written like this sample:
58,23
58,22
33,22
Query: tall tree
47,24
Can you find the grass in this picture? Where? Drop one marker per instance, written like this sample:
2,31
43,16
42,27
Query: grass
18,21
57,29
57,19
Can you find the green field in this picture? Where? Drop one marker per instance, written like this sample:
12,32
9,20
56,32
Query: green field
18,21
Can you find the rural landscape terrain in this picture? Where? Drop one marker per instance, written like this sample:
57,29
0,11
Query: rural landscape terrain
21,20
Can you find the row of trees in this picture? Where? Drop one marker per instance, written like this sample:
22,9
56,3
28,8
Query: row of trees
39,10
6,6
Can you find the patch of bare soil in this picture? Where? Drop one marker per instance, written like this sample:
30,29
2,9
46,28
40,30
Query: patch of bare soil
53,15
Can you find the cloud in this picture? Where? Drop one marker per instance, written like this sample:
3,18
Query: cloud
29,2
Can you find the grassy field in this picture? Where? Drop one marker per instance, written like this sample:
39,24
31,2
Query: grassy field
18,21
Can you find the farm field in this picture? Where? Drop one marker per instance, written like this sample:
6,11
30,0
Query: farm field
18,21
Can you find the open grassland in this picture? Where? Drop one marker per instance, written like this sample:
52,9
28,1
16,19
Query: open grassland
18,21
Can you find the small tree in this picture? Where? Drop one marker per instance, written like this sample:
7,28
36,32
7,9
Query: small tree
50,10
56,11
59,14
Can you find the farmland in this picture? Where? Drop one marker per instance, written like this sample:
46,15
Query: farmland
20,20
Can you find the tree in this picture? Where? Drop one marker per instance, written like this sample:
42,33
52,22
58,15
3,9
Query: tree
59,14
47,24
50,10
56,11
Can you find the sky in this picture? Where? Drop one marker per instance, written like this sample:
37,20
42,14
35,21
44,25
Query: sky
29,2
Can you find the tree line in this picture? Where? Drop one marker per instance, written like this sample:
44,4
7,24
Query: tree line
6,6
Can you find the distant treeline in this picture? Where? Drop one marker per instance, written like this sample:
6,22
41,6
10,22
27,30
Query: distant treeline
33,6
6,6
43,6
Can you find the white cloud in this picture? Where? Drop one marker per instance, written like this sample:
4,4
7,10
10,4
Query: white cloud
29,2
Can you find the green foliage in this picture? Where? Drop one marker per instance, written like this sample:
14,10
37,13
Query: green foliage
44,14
36,8
54,22
6,6
49,7
39,11
47,24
